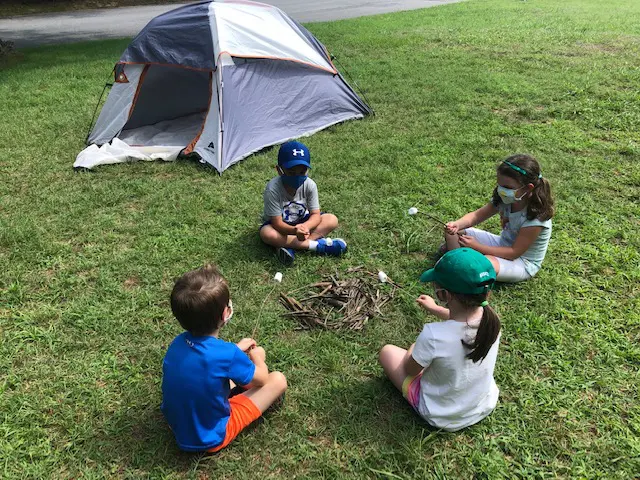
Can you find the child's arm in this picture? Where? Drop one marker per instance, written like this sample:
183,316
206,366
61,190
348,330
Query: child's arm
313,204
313,221
280,226
411,367
471,219
258,356
430,305
273,210
526,236
246,344
303,230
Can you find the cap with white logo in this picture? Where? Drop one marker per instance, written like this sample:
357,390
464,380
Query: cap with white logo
292,154
462,270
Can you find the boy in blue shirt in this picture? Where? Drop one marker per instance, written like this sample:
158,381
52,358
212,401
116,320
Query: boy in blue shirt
292,218
199,369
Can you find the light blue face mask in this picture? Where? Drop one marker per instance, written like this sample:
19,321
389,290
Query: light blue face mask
508,195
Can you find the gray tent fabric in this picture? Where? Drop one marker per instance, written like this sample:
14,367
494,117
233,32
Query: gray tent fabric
179,37
296,100
115,111
223,80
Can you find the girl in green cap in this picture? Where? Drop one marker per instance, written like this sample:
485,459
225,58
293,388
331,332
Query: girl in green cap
447,374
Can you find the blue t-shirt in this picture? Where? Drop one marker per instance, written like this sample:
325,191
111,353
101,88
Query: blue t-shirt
195,388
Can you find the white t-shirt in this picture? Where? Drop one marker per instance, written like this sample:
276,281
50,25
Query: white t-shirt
454,391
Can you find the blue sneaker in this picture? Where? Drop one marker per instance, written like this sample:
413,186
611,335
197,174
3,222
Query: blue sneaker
335,247
286,256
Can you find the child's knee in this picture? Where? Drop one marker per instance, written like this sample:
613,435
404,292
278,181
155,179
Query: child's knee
329,221
278,380
494,261
268,234
384,353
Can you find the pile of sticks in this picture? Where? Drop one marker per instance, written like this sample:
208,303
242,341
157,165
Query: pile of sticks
335,303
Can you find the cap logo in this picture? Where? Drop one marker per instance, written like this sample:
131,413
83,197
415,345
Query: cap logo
296,152
484,274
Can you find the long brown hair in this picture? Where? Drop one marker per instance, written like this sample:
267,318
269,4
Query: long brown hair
540,203
488,330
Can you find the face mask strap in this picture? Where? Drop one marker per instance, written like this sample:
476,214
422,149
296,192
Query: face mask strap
438,297
230,306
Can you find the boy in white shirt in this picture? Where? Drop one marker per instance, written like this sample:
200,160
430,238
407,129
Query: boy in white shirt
447,374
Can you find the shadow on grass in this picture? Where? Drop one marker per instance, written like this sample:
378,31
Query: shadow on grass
137,438
377,413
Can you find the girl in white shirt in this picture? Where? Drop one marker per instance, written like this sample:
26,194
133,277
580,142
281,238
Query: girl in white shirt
447,374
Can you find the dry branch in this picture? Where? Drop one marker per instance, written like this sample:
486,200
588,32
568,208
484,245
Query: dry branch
336,303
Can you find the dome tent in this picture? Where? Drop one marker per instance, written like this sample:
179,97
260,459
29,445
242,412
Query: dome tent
222,79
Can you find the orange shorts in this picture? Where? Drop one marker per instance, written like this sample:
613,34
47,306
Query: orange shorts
243,413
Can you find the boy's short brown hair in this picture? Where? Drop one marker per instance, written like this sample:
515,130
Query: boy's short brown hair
198,300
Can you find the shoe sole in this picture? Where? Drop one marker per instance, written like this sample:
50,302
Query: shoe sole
284,257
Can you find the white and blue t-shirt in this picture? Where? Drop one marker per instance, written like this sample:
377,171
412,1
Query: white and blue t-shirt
195,388
513,222
293,209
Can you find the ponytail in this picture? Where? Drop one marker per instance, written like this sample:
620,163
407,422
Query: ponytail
485,337
488,330
540,203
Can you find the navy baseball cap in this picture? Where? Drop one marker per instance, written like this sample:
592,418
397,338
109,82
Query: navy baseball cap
292,154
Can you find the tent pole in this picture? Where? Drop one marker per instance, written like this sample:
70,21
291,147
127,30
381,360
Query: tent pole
97,105
352,80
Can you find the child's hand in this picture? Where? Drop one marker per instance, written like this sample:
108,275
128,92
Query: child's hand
257,355
426,302
468,241
302,232
246,344
451,228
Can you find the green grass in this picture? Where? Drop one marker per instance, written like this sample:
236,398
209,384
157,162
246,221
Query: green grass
88,260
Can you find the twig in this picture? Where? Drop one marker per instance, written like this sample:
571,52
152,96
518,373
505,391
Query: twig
255,328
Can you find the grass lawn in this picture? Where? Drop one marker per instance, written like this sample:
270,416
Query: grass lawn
87,260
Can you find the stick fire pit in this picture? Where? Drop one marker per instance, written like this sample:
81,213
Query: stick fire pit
335,303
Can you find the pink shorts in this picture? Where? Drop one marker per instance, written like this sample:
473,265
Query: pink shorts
411,390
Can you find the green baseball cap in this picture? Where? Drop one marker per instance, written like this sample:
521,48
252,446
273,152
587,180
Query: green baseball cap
462,270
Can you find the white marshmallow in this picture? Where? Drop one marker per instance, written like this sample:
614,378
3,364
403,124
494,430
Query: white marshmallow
278,277
413,211
382,276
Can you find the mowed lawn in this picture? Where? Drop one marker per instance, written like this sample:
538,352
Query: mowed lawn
87,260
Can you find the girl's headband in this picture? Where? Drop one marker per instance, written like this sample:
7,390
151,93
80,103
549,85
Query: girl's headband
519,169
